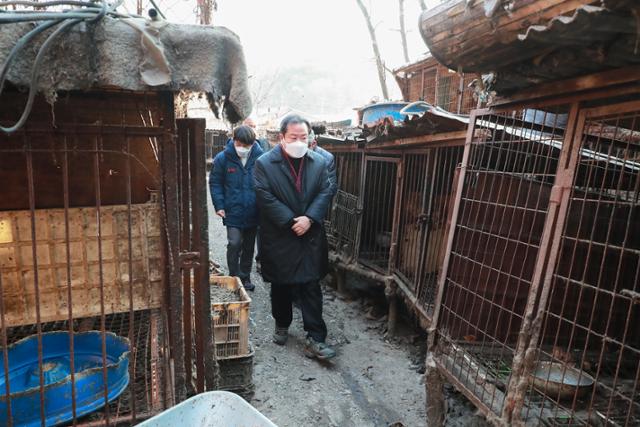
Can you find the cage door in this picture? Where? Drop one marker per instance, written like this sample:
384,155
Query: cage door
381,194
194,256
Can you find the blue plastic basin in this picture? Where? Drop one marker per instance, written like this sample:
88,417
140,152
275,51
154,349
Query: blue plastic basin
24,376
374,112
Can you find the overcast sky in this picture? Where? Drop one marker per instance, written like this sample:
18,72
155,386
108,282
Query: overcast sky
329,36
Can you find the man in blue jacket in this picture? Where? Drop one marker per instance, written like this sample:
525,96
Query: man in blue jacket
234,199
293,194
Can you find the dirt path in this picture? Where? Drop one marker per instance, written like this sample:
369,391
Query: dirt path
372,382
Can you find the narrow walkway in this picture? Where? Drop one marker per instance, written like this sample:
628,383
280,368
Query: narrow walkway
373,382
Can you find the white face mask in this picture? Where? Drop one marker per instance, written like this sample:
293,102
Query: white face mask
242,151
296,149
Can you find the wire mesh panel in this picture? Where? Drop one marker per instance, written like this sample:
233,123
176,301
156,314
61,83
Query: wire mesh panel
345,212
447,90
590,337
429,85
379,204
510,169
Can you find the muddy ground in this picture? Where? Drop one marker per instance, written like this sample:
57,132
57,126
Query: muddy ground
376,380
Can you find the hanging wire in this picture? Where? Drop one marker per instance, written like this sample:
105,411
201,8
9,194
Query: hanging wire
90,12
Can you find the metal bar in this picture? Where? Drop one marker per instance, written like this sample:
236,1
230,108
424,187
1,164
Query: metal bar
5,356
34,254
454,219
96,168
200,243
467,290
460,92
399,179
65,189
429,193
558,209
155,383
169,204
92,130
132,341
363,171
201,236
184,199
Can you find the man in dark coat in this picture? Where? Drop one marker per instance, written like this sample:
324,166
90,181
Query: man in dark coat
293,194
234,199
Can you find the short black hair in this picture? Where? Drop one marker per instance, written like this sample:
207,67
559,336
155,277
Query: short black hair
244,134
293,119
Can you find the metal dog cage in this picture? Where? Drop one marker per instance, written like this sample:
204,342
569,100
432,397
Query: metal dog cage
537,310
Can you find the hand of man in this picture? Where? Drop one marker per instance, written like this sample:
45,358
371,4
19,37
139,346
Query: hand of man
302,225
221,213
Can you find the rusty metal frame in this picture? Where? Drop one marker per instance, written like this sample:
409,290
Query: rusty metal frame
194,257
433,339
547,257
565,188
61,142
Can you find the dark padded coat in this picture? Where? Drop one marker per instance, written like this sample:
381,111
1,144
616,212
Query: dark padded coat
331,166
232,187
285,257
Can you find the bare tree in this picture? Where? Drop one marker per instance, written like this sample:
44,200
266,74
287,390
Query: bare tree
261,87
423,6
376,50
403,32
204,10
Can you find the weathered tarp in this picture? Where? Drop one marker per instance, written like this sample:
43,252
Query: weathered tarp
134,55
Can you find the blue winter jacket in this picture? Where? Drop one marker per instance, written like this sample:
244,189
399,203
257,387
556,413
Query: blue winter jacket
232,187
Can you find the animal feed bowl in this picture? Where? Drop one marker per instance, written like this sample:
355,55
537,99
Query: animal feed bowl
24,376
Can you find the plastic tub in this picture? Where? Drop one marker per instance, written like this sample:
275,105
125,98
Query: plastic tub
214,408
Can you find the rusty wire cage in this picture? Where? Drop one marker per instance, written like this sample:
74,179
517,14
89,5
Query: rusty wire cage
590,308
427,191
89,239
510,169
538,310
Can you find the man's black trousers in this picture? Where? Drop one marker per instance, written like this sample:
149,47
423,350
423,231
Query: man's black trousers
309,297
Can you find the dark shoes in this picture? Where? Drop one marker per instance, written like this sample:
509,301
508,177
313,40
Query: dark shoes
248,285
318,350
280,335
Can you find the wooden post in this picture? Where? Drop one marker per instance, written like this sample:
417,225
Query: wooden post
341,281
436,405
390,291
